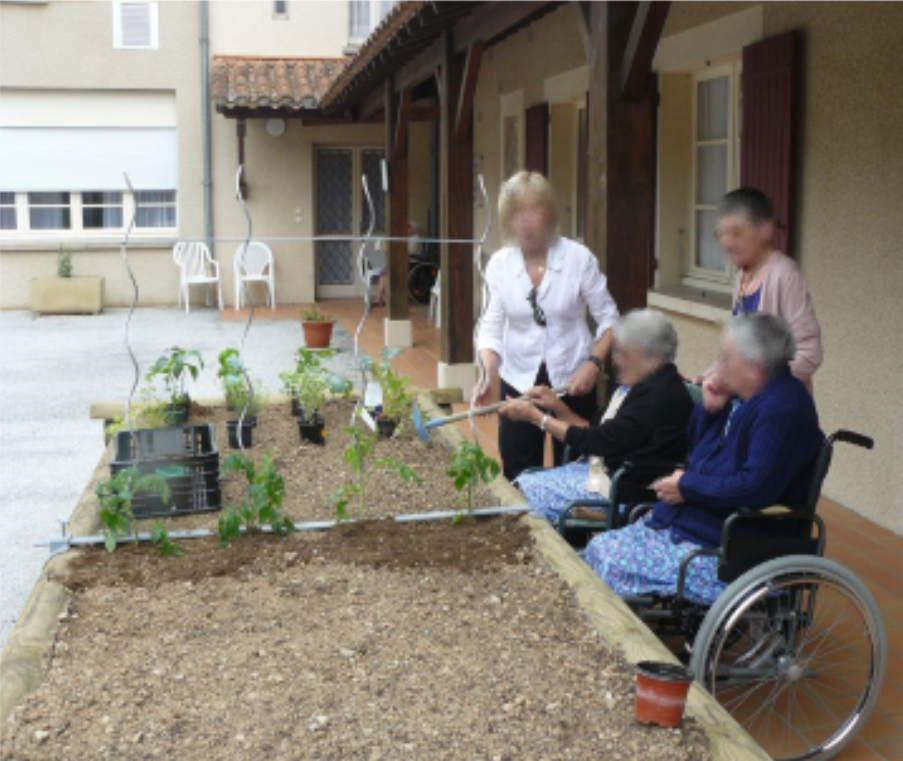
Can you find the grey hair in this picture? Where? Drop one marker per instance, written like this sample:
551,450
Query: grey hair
650,331
763,339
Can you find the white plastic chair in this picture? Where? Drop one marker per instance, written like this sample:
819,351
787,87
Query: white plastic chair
435,294
255,266
196,267
374,262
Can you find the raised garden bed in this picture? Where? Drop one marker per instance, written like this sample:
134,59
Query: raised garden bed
480,638
379,640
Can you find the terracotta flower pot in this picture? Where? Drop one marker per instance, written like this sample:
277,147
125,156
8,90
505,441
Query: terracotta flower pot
661,693
317,335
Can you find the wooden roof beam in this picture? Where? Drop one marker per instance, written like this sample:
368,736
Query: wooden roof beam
636,65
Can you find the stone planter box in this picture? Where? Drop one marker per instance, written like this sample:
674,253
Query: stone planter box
67,295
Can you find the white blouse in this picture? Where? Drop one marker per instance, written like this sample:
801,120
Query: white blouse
571,285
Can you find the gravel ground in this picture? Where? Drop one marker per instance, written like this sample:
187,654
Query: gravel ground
374,641
52,369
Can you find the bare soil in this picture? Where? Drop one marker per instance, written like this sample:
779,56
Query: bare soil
313,473
373,641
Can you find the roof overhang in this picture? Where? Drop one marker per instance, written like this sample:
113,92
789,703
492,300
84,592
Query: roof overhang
411,34
262,87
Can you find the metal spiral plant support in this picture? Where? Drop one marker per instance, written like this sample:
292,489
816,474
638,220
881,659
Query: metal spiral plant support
362,270
484,304
247,295
123,253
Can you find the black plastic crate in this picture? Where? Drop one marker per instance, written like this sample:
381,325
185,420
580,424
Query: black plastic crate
186,456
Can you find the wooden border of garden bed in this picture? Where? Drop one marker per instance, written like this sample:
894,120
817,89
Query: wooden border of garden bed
24,658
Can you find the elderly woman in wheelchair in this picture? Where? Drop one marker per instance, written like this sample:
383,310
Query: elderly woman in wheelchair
644,424
753,440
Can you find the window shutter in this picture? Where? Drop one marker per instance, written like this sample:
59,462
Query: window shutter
537,138
769,126
135,25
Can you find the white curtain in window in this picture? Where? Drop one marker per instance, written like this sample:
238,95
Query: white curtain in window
711,174
713,104
359,15
71,158
708,252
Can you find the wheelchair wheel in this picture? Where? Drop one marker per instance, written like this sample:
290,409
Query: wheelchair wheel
795,651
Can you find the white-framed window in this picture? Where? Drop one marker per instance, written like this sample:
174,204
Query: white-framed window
102,210
156,209
136,25
49,211
714,169
39,215
364,16
280,9
9,215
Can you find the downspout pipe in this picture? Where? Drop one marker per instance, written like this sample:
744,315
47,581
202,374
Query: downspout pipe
205,112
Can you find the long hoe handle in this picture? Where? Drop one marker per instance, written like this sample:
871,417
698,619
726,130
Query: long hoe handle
483,410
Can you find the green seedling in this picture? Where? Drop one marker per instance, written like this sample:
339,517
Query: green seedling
263,506
116,495
359,456
469,466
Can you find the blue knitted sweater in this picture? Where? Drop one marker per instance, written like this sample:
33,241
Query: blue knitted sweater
765,458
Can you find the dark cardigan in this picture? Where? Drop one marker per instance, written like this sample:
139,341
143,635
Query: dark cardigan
650,428
766,458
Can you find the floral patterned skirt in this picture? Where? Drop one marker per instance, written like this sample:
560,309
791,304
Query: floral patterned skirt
638,560
550,491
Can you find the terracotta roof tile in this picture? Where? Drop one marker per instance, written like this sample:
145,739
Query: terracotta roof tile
260,82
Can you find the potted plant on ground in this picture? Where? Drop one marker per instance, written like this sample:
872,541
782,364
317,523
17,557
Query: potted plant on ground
65,294
396,401
231,374
309,361
317,327
173,367
311,392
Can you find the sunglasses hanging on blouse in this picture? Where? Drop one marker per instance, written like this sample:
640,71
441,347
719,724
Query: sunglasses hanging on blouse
539,317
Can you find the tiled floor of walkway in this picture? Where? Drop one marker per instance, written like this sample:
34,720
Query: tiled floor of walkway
873,553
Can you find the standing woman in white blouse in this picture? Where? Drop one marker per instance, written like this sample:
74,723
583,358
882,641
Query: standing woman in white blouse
535,332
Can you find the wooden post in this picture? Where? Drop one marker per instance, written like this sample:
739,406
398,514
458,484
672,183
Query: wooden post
622,146
456,172
597,120
397,110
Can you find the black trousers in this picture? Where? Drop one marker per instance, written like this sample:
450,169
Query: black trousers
522,444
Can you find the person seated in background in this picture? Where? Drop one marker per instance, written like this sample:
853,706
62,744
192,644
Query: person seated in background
645,422
753,443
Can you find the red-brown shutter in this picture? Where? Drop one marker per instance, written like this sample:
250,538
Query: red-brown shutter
537,138
766,147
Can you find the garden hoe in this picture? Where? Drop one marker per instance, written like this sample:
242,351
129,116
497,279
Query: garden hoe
423,427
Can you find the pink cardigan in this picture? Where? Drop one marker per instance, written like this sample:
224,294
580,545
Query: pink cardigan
784,292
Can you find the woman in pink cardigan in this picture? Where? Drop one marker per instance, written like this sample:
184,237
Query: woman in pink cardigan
767,280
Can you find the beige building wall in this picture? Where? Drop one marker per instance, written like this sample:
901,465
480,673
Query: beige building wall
548,48
312,28
75,51
280,181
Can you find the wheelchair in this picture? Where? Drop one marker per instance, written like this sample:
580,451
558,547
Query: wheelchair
794,648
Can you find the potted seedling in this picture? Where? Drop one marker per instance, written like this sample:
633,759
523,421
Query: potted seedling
238,399
117,515
263,506
396,400
359,456
311,391
317,327
65,294
174,366
469,466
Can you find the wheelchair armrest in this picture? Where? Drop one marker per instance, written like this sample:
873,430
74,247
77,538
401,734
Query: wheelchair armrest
774,514
639,511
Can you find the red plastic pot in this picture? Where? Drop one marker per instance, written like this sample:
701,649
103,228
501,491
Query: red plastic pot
661,693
